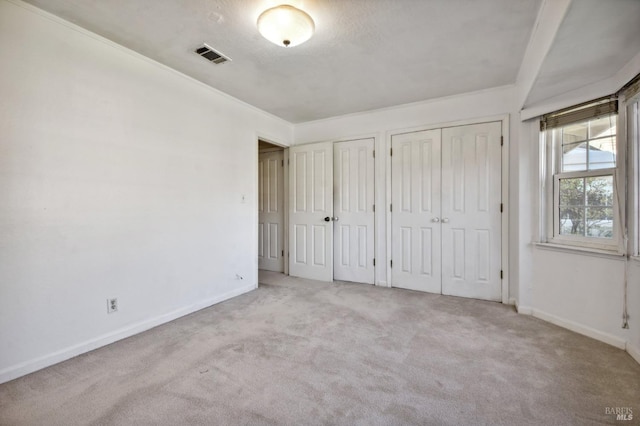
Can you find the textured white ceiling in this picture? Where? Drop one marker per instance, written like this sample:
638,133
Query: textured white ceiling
596,39
366,54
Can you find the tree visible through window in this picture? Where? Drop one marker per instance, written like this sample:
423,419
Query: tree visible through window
586,203
582,162
586,206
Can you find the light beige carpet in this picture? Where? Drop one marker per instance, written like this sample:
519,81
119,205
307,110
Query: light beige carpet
299,352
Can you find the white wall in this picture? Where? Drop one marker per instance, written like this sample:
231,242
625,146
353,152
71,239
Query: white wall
580,291
381,124
524,190
469,106
118,178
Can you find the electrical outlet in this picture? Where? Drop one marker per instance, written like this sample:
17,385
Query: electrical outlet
112,305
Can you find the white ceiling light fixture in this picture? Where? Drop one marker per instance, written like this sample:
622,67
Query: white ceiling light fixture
286,25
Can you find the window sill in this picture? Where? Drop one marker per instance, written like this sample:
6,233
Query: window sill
587,251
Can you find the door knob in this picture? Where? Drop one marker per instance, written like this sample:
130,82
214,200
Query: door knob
327,219
335,218
435,220
445,220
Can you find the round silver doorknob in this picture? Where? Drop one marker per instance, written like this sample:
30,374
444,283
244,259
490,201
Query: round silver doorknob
445,220
335,218
435,220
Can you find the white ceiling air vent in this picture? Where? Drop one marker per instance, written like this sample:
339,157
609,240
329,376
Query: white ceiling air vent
211,55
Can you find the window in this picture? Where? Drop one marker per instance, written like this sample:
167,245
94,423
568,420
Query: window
582,168
633,114
631,93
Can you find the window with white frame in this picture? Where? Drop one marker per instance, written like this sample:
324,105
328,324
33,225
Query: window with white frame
582,170
633,109
631,97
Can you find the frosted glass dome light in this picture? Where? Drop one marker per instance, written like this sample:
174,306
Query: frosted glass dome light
286,25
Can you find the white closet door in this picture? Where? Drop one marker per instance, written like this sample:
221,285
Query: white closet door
353,209
471,218
415,227
311,211
271,211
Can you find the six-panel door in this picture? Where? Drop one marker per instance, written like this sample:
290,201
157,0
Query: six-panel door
353,211
446,217
471,218
446,220
311,211
415,219
270,211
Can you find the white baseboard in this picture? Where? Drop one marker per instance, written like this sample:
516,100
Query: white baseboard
581,329
524,310
30,366
634,351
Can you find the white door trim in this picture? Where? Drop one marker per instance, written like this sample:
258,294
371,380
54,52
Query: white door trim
504,119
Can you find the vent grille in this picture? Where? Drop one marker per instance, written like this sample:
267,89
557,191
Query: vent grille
211,55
